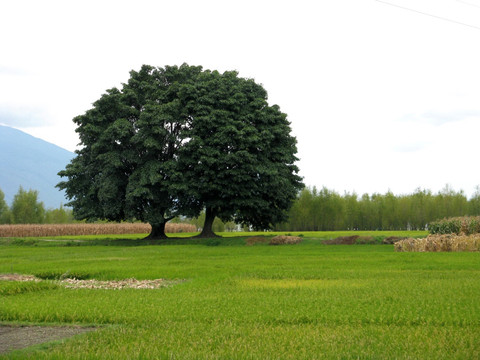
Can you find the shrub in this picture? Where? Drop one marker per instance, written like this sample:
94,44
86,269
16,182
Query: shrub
285,240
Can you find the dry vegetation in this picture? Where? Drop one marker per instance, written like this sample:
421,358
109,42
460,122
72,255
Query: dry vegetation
276,240
285,240
445,242
393,239
118,284
86,229
342,240
73,283
355,240
257,240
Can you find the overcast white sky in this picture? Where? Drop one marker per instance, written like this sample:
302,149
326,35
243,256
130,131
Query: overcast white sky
380,96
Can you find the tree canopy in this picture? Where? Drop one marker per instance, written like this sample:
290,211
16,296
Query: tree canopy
26,209
239,159
176,140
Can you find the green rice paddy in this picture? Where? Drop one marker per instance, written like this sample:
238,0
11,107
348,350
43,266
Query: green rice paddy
305,301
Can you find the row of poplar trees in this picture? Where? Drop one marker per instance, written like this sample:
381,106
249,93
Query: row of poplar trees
324,209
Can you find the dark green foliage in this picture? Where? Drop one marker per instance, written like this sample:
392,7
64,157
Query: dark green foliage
239,160
177,140
126,167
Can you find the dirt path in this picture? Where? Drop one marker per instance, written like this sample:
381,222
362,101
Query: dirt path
19,337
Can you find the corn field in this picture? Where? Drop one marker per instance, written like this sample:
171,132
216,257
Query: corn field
36,230
437,243
458,225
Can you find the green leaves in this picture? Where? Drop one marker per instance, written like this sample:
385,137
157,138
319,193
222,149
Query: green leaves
26,209
175,140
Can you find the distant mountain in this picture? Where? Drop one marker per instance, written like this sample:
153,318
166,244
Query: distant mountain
33,164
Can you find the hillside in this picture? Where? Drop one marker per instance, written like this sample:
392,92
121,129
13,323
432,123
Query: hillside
33,164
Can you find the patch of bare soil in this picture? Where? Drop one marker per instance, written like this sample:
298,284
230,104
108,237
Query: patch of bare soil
19,337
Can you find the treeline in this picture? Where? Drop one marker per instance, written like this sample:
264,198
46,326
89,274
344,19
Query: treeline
321,210
313,210
27,209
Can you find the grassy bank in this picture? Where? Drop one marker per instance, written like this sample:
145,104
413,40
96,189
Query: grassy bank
262,302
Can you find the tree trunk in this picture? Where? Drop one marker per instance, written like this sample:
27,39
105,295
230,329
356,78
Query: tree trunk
207,231
158,231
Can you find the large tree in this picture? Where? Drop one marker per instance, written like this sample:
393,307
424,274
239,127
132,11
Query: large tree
239,157
177,140
129,144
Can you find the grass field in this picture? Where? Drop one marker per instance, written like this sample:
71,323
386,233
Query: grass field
305,301
175,238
